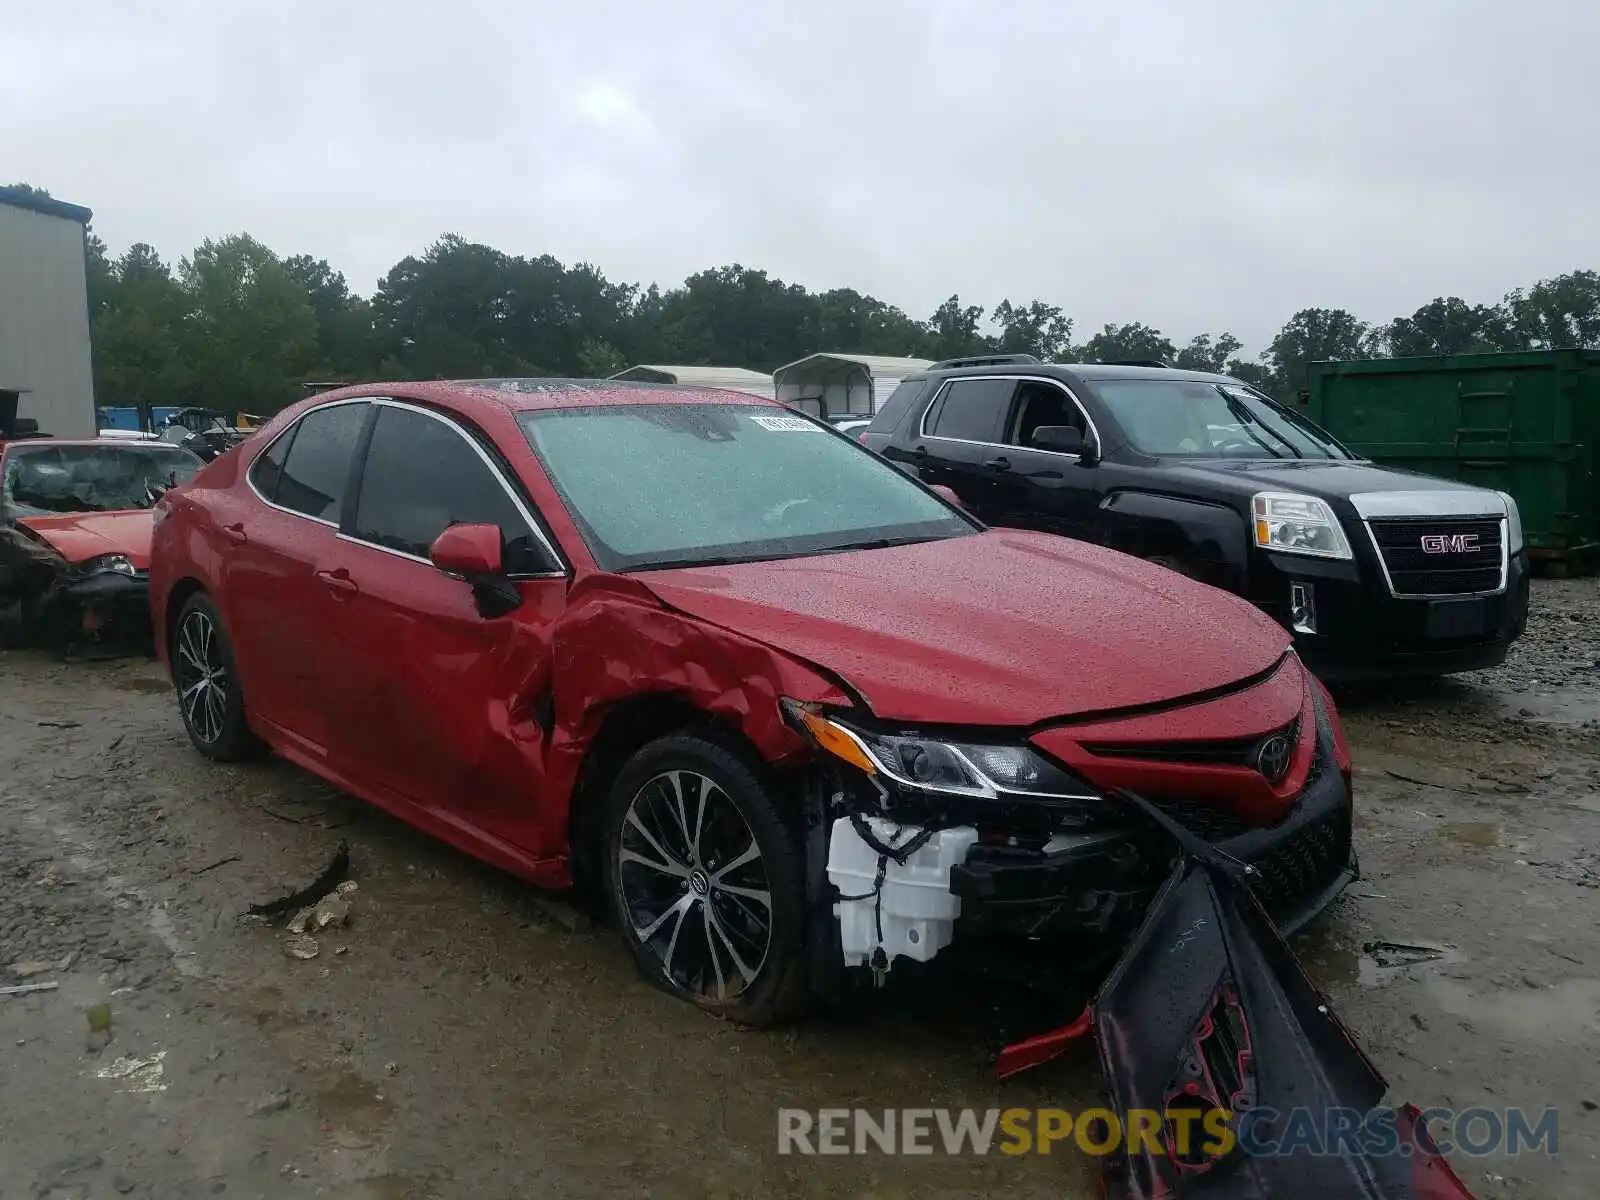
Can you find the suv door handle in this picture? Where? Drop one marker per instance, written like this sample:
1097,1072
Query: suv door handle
235,534
998,464
339,581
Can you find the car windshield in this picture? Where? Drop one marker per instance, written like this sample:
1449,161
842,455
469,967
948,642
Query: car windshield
44,478
693,484
1198,419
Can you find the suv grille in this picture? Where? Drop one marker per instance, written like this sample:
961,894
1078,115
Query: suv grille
1440,556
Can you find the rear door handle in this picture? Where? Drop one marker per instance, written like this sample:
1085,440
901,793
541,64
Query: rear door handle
998,464
235,534
339,581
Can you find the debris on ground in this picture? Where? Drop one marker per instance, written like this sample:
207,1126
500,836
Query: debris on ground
325,883
25,989
276,1102
32,967
301,946
137,1074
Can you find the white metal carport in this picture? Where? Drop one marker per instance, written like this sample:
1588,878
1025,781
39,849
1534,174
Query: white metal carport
737,379
833,385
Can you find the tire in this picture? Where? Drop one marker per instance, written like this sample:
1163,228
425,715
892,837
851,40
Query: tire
689,906
209,698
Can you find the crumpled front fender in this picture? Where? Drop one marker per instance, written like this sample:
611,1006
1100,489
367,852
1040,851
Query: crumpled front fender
616,642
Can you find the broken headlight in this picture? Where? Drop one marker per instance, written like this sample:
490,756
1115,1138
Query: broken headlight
115,564
928,763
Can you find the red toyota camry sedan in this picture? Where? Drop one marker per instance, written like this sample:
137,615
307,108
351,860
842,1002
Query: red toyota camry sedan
798,718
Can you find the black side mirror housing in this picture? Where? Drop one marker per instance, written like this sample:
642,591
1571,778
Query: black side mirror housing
1065,439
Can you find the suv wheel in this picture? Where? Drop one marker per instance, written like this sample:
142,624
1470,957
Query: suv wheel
208,685
705,879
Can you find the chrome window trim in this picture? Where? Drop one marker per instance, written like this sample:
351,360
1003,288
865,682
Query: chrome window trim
249,472
1505,559
426,562
563,568
1094,430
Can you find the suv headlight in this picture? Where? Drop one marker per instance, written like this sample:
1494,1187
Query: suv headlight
937,765
1294,524
1513,525
115,564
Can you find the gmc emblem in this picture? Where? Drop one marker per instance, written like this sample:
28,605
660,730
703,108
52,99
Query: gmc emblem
1449,543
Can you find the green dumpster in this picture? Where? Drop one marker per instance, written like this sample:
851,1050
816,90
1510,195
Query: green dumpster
1527,423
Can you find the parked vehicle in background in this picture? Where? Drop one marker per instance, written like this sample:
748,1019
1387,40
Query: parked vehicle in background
1526,422
1375,571
854,426
88,504
611,634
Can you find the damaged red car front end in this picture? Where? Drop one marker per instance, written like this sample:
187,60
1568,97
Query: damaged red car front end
800,721
75,530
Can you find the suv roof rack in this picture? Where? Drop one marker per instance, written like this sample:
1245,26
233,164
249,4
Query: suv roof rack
982,360
1138,362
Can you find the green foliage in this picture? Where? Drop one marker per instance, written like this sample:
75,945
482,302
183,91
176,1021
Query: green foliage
1128,343
237,327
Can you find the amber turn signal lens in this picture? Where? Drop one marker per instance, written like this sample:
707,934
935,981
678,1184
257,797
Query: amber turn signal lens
837,742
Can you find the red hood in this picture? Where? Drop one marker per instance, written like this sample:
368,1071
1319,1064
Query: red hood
999,628
79,537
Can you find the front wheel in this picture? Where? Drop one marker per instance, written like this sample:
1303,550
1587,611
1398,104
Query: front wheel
207,682
705,878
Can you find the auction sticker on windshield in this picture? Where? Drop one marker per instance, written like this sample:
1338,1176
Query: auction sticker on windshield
778,424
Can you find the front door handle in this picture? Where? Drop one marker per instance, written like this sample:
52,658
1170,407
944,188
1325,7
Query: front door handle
998,464
235,534
339,581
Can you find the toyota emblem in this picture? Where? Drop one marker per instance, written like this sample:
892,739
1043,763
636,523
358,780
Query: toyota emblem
1272,759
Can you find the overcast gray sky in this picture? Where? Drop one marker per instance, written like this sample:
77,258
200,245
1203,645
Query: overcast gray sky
1196,166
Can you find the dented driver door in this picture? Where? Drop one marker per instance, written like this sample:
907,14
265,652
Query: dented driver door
438,704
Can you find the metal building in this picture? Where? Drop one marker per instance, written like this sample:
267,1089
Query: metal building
44,313
736,379
831,385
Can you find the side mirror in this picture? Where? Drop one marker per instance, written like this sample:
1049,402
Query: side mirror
948,494
470,550
1065,439
475,552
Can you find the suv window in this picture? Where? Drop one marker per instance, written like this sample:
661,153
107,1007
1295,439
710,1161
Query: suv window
973,410
894,408
268,466
316,470
421,477
1043,404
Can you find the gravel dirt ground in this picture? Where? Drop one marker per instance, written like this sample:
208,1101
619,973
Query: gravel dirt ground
465,1036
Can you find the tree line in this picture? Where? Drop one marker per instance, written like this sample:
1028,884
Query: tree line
237,326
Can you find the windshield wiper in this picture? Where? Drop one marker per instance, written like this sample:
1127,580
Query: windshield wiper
884,543
1241,413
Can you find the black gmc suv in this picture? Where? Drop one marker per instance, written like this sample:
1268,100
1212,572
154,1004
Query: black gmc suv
1376,572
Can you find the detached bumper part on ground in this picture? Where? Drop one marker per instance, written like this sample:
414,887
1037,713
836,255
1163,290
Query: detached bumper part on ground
1208,1009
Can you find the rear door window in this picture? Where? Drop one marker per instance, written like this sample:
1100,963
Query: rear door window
423,476
972,410
316,471
268,466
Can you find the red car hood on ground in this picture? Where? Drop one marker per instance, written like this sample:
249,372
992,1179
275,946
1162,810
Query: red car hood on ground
997,628
78,537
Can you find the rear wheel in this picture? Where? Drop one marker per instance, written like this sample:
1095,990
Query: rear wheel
705,879
208,685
